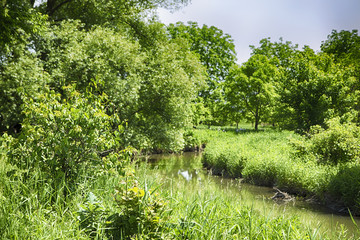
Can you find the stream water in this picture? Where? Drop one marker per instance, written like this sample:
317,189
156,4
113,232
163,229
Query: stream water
187,168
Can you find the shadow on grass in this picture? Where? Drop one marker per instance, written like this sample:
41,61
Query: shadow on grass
345,187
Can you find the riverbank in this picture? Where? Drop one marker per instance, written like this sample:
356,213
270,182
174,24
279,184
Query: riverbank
119,200
212,207
268,158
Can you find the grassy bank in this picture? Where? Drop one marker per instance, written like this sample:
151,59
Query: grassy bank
137,204
269,158
115,201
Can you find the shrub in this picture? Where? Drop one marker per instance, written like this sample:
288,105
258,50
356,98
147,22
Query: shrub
346,186
62,136
91,215
339,143
140,211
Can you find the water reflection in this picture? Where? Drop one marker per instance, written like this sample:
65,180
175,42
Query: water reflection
187,169
185,174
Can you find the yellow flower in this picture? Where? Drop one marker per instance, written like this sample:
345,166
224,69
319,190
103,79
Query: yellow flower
138,191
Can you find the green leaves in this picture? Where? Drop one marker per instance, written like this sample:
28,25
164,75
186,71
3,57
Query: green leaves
337,144
250,89
62,137
216,52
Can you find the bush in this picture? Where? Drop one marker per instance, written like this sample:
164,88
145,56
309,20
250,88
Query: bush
339,143
60,137
346,186
140,211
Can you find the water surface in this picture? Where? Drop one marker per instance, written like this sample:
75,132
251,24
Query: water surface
187,169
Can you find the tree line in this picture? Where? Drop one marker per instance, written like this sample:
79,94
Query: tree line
159,80
280,84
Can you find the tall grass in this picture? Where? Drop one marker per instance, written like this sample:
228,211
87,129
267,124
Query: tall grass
200,210
267,158
32,208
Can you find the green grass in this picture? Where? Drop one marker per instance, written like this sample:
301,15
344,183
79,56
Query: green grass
200,210
267,158
31,208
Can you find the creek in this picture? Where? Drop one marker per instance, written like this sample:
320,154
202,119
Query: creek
188,169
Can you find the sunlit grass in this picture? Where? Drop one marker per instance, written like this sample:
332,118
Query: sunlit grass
33,209
199,209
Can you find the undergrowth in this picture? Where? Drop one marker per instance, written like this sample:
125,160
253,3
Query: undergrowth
288,161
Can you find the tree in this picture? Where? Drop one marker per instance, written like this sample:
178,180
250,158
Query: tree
216,51
344,47
234,107
251,88
279,53
63,136
150,90
111,13
17,21
21,75
312,89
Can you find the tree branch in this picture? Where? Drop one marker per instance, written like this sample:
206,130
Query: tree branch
51,9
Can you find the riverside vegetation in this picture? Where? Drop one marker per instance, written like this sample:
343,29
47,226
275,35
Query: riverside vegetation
304,166
125,201
87,86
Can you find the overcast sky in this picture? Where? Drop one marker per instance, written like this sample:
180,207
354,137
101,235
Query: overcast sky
303,22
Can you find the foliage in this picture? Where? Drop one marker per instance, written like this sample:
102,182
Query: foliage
250,89
344,47
311,91
345,185
171,80
338,143
133,79
311,87
279,53
103,12
92,215
140,211
61,137
19,77
269,158
18,21
216,51
266,158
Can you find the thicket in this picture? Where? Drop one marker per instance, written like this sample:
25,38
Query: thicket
323,164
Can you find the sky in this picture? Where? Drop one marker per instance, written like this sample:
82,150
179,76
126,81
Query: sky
303,22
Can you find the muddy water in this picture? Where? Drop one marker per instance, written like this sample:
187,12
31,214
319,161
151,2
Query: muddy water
188,168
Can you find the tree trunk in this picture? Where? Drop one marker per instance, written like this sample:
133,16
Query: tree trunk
257,119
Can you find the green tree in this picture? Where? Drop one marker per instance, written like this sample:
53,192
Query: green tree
103,11
279,53
20,76
344,47
17,21
312,90
311,87
251,88
150,89
234,107
216,51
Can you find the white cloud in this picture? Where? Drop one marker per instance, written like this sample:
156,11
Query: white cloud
306,22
